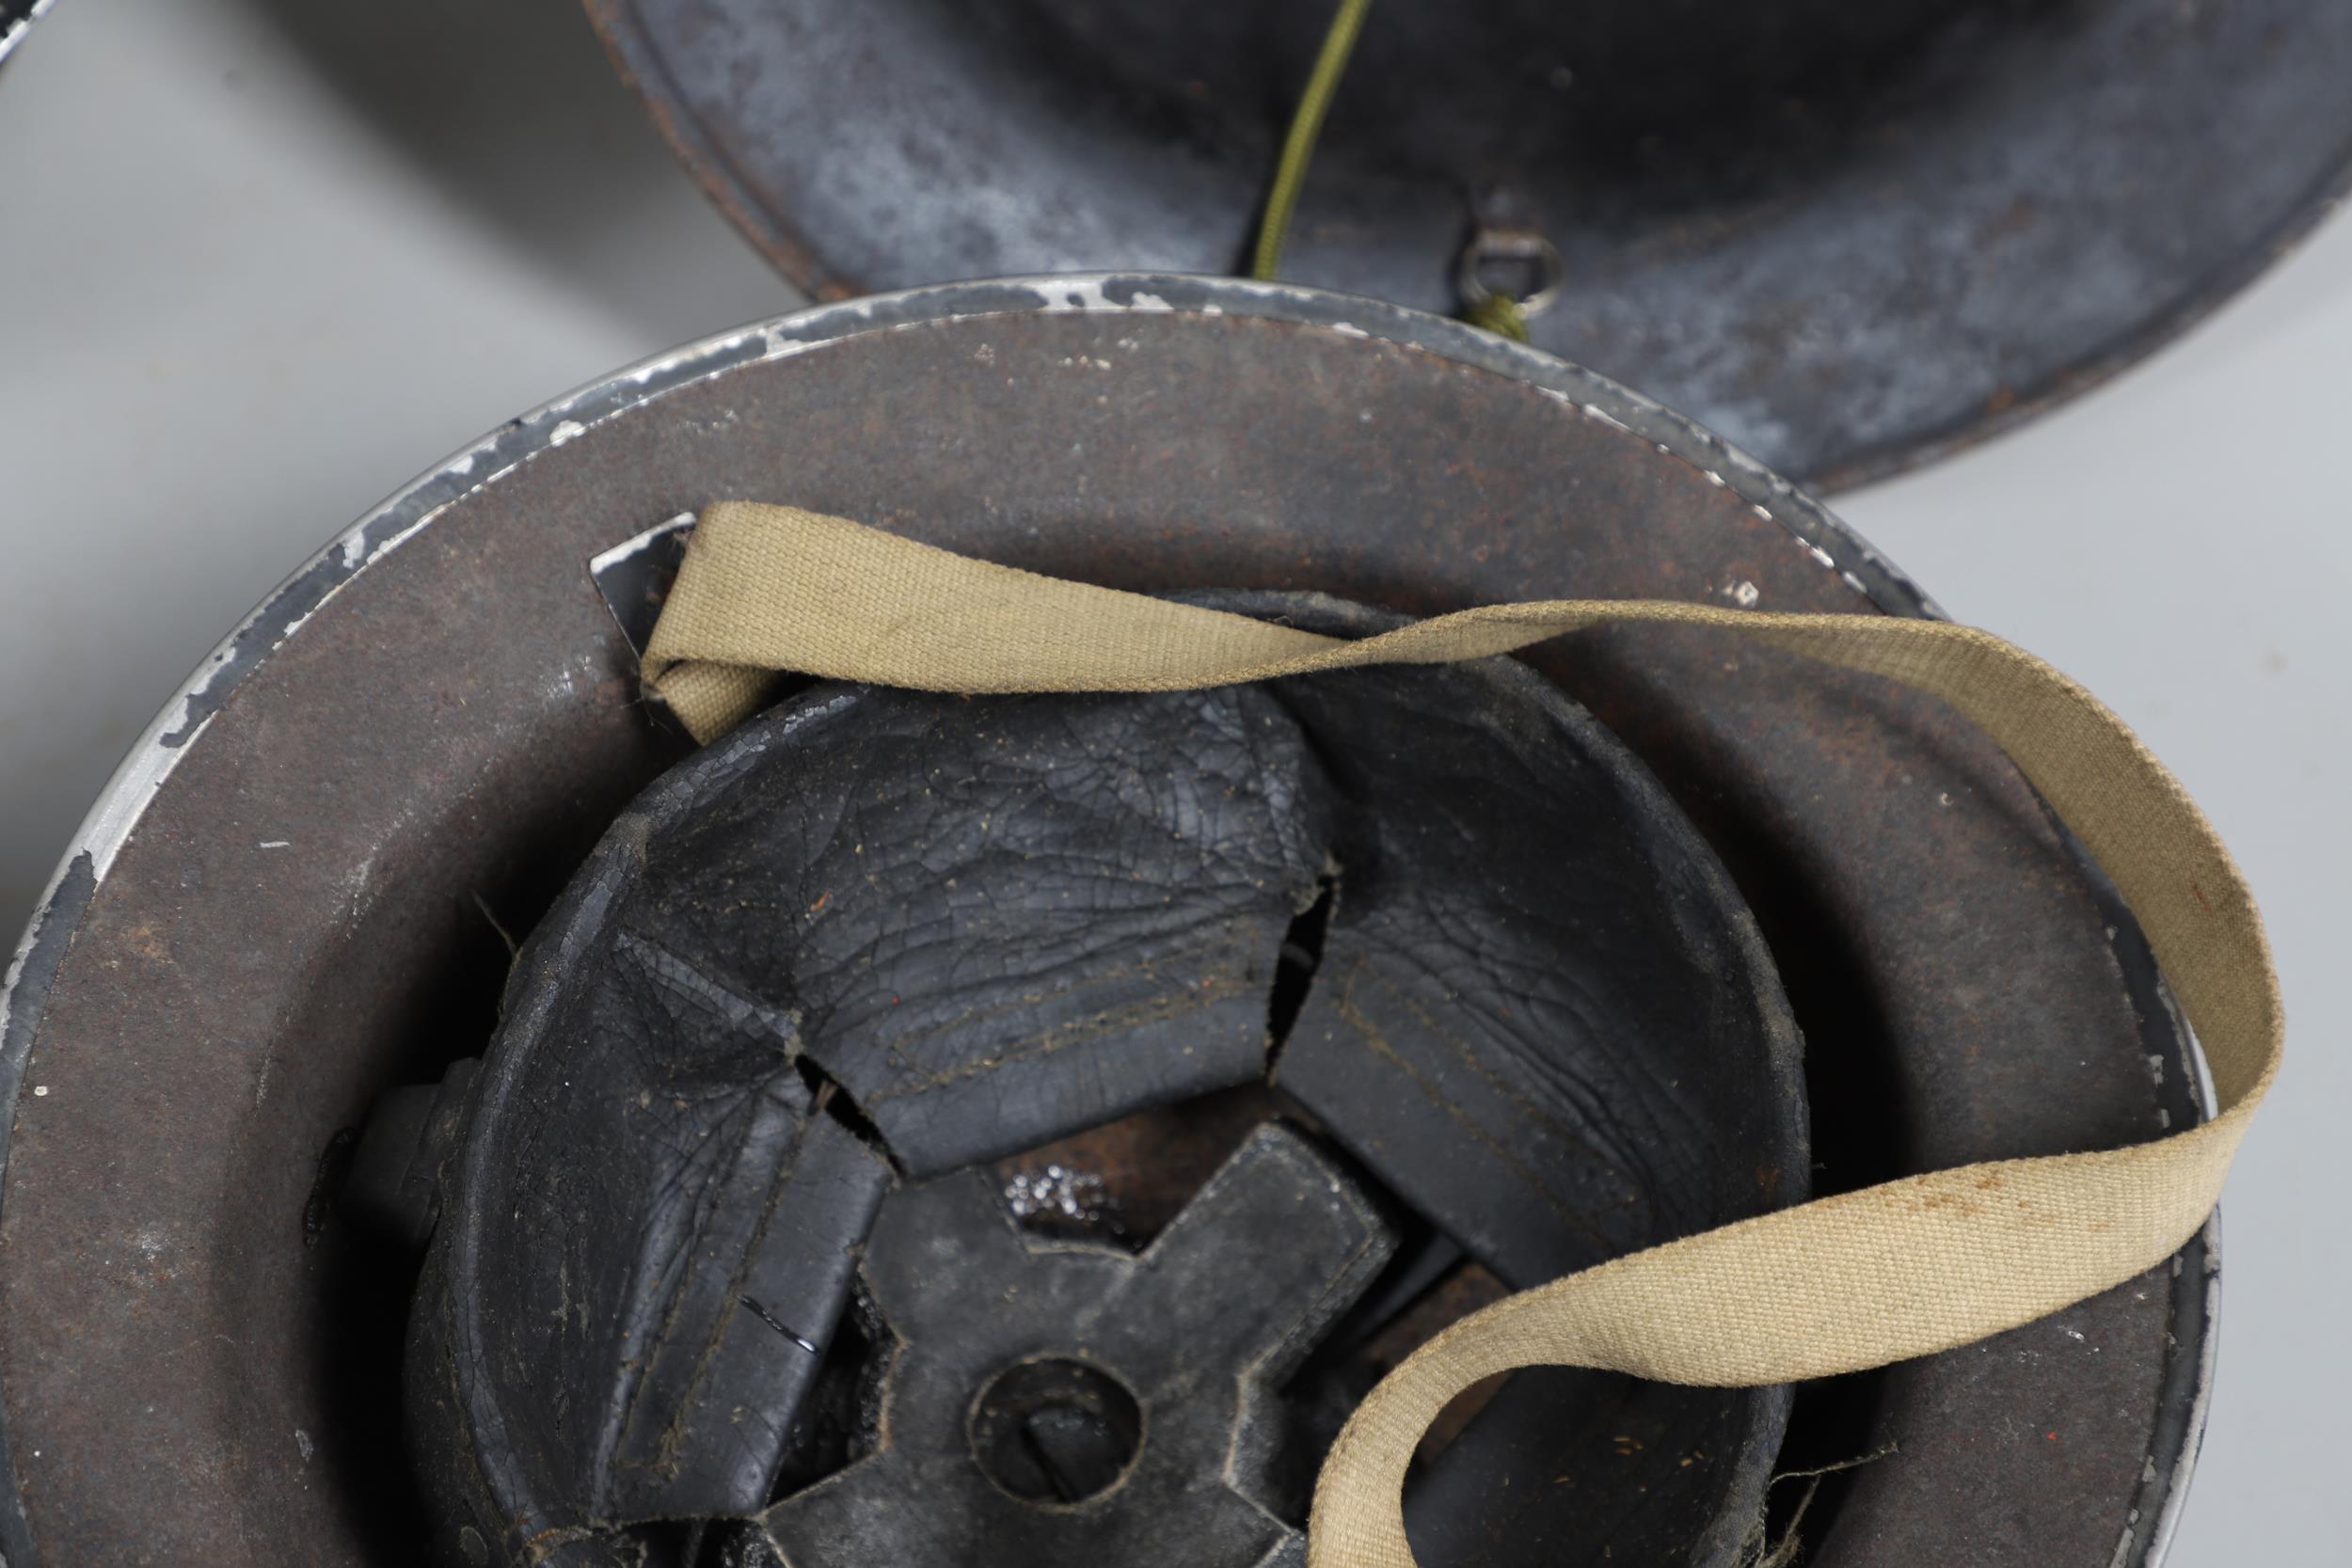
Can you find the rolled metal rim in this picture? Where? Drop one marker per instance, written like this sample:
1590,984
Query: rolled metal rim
409,514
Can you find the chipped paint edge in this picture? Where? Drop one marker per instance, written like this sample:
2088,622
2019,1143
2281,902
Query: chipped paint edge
2175,1483
11,33
638,544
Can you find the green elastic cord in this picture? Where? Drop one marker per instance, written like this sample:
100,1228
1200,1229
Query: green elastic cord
1298,147
1498,313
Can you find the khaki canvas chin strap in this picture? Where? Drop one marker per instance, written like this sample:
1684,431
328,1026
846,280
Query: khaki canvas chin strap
1858,1280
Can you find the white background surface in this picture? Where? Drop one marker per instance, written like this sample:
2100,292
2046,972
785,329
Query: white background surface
262,261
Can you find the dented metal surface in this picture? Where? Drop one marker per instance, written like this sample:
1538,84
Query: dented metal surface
206,1014
1849,238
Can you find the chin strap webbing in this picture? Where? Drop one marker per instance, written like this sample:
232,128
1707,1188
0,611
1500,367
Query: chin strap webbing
1906,1268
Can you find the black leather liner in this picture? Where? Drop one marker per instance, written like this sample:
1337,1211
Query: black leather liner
879,937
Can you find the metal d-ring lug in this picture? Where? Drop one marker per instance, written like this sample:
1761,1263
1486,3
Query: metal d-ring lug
1498,245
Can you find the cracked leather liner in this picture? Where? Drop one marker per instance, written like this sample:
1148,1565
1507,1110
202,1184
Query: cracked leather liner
873,938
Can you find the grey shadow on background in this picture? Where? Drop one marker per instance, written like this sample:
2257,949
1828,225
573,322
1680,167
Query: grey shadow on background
513,110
